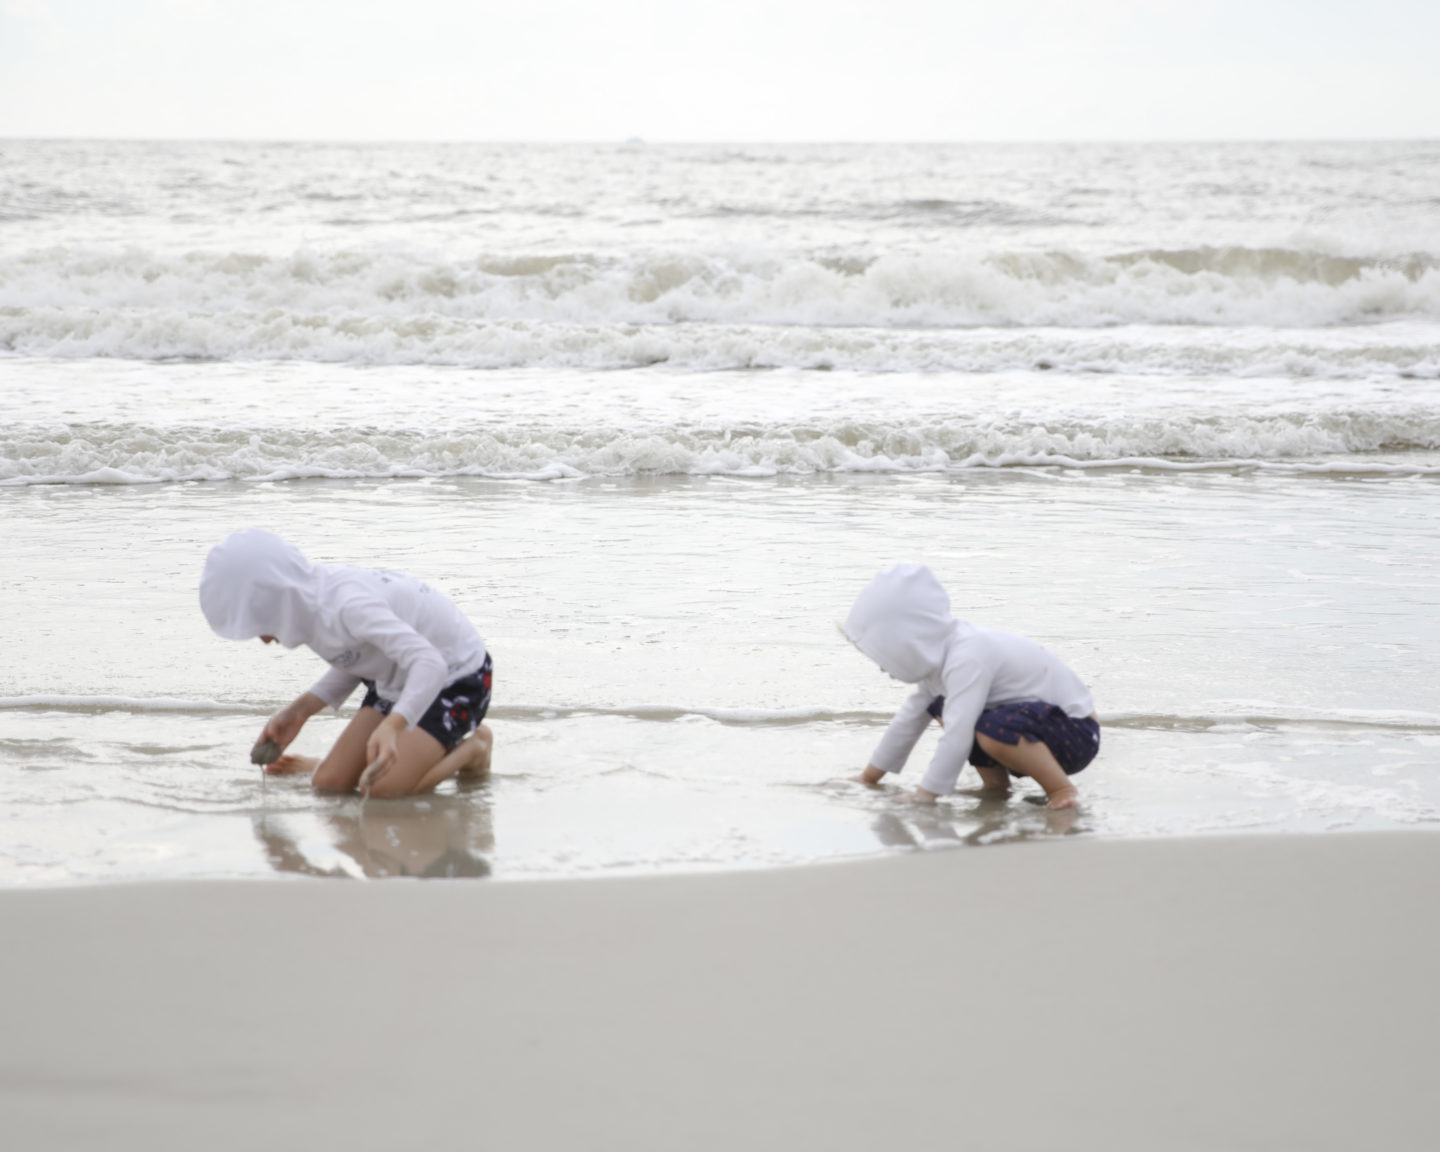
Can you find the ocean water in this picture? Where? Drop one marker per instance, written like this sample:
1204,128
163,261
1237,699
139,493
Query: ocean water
653,415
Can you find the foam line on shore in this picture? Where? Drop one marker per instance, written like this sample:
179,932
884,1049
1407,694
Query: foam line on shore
169,705
1256,714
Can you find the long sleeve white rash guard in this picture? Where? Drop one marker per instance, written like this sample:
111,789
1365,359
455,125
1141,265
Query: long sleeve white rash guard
902,621
366,624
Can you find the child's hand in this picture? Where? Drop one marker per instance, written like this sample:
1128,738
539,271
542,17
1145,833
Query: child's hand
283,727
918,798
381,752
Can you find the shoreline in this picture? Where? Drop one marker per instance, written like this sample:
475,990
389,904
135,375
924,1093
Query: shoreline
1226,992
645,873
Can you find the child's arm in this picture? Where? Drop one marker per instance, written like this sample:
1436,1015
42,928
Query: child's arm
335,687
900,737
372,622
966,690
285,725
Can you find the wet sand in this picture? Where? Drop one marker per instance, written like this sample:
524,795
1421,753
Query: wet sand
1261,992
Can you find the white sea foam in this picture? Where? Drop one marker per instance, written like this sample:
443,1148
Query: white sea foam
101,453
898,311
437,341
1273,714
49,702
1252,713
1270,711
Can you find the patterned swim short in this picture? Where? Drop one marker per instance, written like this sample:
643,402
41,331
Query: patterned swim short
455,712
1073,742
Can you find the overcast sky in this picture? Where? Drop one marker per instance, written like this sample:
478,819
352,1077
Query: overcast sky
726,70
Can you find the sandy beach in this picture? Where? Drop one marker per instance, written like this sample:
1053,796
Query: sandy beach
1225,993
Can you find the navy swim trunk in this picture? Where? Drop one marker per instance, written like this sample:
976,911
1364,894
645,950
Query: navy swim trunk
455,712
1073,742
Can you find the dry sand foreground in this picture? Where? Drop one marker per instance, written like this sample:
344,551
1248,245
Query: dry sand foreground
1265,993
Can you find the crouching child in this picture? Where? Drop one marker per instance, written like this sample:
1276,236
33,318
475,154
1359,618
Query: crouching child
1007,704
425,669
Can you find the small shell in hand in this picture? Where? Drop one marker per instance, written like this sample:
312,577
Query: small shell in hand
265,752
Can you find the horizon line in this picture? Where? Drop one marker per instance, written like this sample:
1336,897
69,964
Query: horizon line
641,141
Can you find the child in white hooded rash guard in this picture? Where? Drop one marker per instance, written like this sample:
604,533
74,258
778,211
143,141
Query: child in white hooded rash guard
1007,704
424,665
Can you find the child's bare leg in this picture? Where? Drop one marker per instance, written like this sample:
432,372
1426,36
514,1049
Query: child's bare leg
418,754
340,770
469,758
1034,759
993,779
417,766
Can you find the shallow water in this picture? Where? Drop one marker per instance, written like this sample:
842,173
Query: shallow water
671,690
653,437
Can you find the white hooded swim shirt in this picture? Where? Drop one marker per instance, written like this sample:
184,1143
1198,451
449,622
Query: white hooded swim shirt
902,621
366,624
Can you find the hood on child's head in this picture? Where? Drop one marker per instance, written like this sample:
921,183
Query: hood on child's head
902,621
256,584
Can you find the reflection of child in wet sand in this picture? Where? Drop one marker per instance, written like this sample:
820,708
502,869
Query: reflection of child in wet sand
1007,704
425,668
450,836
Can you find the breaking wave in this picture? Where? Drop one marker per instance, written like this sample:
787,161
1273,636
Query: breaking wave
909,311
105,453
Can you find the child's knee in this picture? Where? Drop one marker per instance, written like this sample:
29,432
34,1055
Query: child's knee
330,777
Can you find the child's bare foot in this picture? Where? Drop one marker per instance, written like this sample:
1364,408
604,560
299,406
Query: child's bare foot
986,792
1064,798
289,765
479,745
